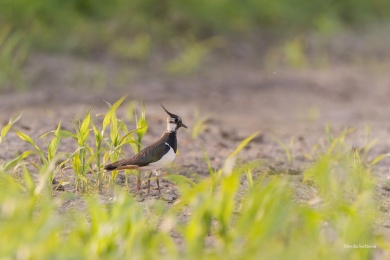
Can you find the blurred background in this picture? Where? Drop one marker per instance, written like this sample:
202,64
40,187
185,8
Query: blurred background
271,56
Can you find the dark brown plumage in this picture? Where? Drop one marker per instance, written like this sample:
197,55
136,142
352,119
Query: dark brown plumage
148,155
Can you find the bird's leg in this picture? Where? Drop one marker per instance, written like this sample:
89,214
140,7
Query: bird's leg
158,186
150,174
158,183
138,181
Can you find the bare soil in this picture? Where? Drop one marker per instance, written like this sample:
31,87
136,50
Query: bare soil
239,98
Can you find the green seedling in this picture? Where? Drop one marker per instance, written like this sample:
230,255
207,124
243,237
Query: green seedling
82,159
37,150
118,140
199,126
142,128
288,150
8,126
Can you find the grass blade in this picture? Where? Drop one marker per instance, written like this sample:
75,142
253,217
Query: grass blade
7,127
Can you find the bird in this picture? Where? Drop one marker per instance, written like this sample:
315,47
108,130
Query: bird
155,156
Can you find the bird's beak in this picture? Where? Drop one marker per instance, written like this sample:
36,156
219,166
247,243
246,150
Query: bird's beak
183,125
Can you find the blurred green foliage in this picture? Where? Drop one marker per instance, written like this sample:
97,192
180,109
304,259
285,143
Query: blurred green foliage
217,217
87,24
132,30
13,54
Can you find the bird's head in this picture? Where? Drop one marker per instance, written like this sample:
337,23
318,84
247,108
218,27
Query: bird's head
174,122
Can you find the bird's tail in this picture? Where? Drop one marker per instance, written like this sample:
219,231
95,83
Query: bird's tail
110,167
120,165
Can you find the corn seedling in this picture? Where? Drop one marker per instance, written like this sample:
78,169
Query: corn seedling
115,142
120,135
82,159
46,157
98,150
142,128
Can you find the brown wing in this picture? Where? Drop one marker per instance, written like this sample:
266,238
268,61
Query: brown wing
146,156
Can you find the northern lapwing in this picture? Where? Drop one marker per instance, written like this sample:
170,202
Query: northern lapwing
155,156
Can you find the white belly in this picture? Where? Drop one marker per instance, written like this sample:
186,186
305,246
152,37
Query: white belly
166,159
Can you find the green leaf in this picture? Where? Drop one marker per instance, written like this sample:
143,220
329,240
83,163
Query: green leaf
107,119
52,148
28,179
179,179
285,148
207,158
84,129
244,143
14,162
66,134
230,161
125,138
380,158
25,137
7,127
142,127
114,133
76,162
29,140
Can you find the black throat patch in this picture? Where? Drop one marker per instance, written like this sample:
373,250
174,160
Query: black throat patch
171,140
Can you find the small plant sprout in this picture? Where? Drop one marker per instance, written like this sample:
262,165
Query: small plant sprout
199,126
82,160
288,150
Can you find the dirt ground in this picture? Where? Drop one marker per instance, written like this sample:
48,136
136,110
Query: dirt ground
238,98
